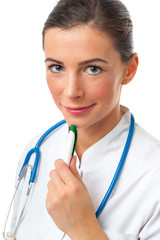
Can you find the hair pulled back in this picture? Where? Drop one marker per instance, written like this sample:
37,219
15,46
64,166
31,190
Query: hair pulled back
109,16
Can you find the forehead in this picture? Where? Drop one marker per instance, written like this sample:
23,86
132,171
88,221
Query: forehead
79,40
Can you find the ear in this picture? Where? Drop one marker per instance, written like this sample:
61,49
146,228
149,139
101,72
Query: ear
131,69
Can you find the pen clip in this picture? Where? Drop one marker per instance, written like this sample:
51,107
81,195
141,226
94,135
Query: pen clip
74,129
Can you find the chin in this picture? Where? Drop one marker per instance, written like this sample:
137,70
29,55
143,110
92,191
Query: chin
80,122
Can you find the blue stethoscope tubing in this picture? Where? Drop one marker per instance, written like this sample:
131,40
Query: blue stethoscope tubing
33,170
36,151
119,168
117,172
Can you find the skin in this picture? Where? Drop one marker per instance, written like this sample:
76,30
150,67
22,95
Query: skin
74,84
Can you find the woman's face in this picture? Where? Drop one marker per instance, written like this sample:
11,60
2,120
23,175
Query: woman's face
84,73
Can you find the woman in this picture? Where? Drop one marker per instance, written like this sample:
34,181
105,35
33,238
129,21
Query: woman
89,57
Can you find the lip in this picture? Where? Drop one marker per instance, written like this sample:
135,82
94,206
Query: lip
79,110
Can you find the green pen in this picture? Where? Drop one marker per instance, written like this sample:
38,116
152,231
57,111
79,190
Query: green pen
71,144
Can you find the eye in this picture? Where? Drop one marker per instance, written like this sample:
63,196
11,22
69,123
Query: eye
55,68
93,70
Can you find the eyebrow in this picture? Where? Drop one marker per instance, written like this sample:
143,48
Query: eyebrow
52,60
81,63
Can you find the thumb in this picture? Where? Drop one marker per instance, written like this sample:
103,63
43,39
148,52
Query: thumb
73,168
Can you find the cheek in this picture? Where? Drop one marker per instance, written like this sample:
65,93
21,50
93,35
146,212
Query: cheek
104,90
54,87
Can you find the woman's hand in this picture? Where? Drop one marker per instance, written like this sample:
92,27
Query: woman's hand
69,204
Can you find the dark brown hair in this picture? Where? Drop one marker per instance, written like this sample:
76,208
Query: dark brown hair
109,16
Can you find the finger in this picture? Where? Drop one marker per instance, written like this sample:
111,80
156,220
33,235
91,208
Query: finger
57,181
64,172
50,187
74,169
51,197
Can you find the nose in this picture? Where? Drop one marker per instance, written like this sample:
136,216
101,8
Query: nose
73,86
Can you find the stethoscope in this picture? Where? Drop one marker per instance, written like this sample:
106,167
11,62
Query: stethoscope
31,171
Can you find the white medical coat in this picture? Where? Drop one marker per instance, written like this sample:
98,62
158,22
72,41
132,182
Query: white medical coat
133,210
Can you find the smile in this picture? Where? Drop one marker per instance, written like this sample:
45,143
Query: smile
79,110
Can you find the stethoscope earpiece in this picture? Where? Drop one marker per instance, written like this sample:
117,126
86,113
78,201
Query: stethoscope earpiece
9,236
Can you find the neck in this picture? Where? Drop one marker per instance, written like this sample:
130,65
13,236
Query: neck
90,135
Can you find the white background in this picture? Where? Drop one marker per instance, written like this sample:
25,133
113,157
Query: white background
26,106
